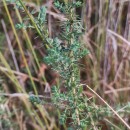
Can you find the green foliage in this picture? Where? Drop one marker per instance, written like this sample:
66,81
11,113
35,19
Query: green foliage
18,5
33,99
63,55
66,8
5,117
42,15
40,20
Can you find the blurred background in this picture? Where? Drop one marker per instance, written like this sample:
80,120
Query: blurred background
22,70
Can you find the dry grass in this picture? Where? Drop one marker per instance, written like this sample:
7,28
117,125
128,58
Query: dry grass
106,68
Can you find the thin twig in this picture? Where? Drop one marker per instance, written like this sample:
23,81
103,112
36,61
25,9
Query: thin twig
118,90
22,95
11,50
10,46
119,36
19,73
122,120
117,128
